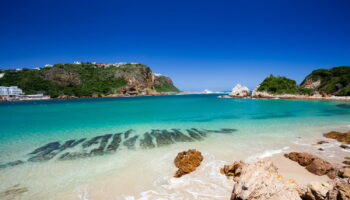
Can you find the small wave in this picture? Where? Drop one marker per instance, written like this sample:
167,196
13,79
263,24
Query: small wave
265,154
204,183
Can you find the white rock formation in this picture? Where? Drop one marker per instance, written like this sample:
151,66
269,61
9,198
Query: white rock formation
207,91
260,181
240,91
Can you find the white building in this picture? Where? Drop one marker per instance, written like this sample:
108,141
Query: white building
10,91
2,75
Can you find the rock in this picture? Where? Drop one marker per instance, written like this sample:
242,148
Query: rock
113,146
314,164
233,170
347,162
178,136
322,142
346,173
345,146
341,137
240,91
341,190
260,180
130,143
319,167
303,158
13,193
347,158
163,137
194,135
147,142
318,190
187,161
320,149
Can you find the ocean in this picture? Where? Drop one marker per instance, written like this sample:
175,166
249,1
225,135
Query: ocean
124,147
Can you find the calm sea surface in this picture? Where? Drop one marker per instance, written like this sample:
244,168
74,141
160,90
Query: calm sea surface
159,127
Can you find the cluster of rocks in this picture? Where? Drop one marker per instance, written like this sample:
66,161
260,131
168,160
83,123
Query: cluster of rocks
315,164
340,137
260,180
109,143
187,162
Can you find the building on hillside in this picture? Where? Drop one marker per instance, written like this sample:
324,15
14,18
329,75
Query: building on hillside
12,91
2,75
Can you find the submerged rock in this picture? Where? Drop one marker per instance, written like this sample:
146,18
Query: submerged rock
341,137
240,91
130,143
260,181
147,142
14,192
187,161
194,135
178,136
163,137
113,146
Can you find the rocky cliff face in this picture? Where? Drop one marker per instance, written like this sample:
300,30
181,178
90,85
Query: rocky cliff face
88,79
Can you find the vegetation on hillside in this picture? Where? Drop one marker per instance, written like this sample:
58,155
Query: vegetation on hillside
85,79
333,81
282,85
164,84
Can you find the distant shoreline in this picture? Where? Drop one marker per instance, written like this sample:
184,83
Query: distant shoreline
296,97
74,97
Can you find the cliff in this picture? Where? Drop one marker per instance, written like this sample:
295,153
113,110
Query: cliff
89,79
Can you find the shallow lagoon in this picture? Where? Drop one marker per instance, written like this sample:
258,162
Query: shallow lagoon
257,126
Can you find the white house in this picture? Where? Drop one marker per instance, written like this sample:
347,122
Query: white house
10,91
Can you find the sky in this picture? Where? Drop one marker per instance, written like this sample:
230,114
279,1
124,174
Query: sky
199,44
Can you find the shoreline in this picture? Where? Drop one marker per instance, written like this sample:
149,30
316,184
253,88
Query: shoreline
293,97
90,97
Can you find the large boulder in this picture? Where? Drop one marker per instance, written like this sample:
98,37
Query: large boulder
240,91
187,161
260,180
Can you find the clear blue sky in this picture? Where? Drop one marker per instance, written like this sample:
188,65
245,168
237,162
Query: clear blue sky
200,44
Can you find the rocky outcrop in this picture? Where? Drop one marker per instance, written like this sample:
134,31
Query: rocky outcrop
240,91
311,84
234,170
314,164
187,162
338,189
341,137
260,181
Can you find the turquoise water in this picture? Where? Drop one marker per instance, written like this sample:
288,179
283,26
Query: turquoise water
30,123
255,125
